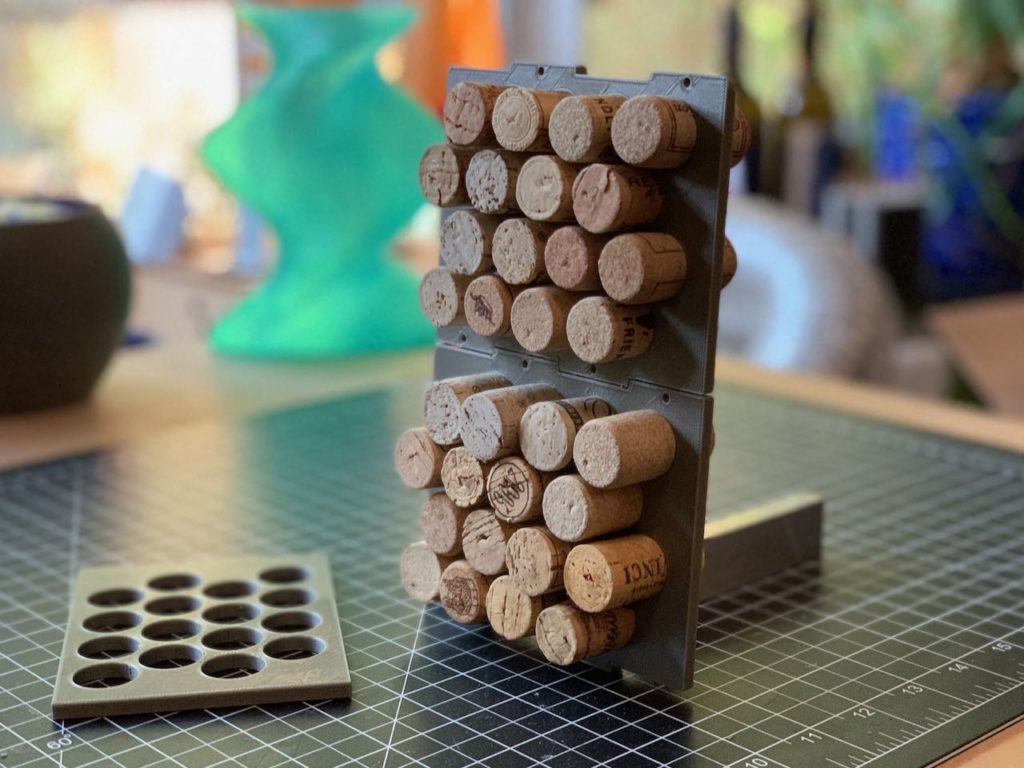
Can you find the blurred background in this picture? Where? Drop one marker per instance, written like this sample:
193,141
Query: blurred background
879,219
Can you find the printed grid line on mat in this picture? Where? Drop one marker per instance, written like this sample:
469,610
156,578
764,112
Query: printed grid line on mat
903,643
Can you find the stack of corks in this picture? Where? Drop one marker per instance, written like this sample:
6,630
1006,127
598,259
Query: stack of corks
555,241
527,523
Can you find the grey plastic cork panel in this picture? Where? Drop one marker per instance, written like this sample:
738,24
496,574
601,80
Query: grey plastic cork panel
674,376
682,354
216,633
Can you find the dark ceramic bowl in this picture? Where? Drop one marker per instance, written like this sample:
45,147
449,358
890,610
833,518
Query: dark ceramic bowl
64,294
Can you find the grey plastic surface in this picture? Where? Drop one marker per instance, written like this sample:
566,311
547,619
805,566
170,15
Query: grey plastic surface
673,377
225,600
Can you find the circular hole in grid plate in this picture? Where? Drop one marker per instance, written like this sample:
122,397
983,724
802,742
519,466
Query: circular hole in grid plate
287,598
232,638
231,613
233,665
285,574
105,675
112,621
170,656
108,647
172,582
294,648
172,606
229,589
113,598
291,621
171,629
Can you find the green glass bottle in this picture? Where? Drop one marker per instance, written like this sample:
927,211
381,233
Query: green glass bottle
747,175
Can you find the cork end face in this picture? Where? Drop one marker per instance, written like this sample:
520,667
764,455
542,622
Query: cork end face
514,490
442,413
441,523
597,456
489,306
516,119
420,572
597,198
637,129
531,561
588,578
518,252
591,330
487,182
565,508
465,115
545,437
439,175
463,247
463,593
571,130
544,188
481,428
568,259
741,137
483,541
509,610
533,320
414,457
439,297
729,263
559,632
621,267
463,478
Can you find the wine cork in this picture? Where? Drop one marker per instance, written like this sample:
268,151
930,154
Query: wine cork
539,317
488,306
601,331
729,263
581,127
463,593
606,198
654,132
535,560
484,538
442,404
520,119
544,188
548,430
612,572
418,459
466,239
513,613
442,170
490,420
642,267
566,634
491,181
467,113
515,490
441,523
570,258
573,511
464,478
441,296
421,569
518,250
741,137
624,449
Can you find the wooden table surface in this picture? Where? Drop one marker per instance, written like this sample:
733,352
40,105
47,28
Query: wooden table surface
146,390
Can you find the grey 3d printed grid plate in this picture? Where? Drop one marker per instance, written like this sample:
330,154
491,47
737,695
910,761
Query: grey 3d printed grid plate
919,588
194,635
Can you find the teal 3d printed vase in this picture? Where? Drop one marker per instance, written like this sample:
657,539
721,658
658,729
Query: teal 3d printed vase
327,153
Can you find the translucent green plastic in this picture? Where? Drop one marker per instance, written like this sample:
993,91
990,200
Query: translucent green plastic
327,153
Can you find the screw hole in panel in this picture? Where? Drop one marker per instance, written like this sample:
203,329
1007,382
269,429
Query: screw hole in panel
231,613
171,629
463,338
233,666
172,606
228,589
170,657
112,621
105,675
291,621
108,647
294,648
666,398
541,71
687,82
287,598
114,598
172,582
285,574
232,639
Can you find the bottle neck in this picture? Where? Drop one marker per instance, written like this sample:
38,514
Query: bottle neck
732,42
809,40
